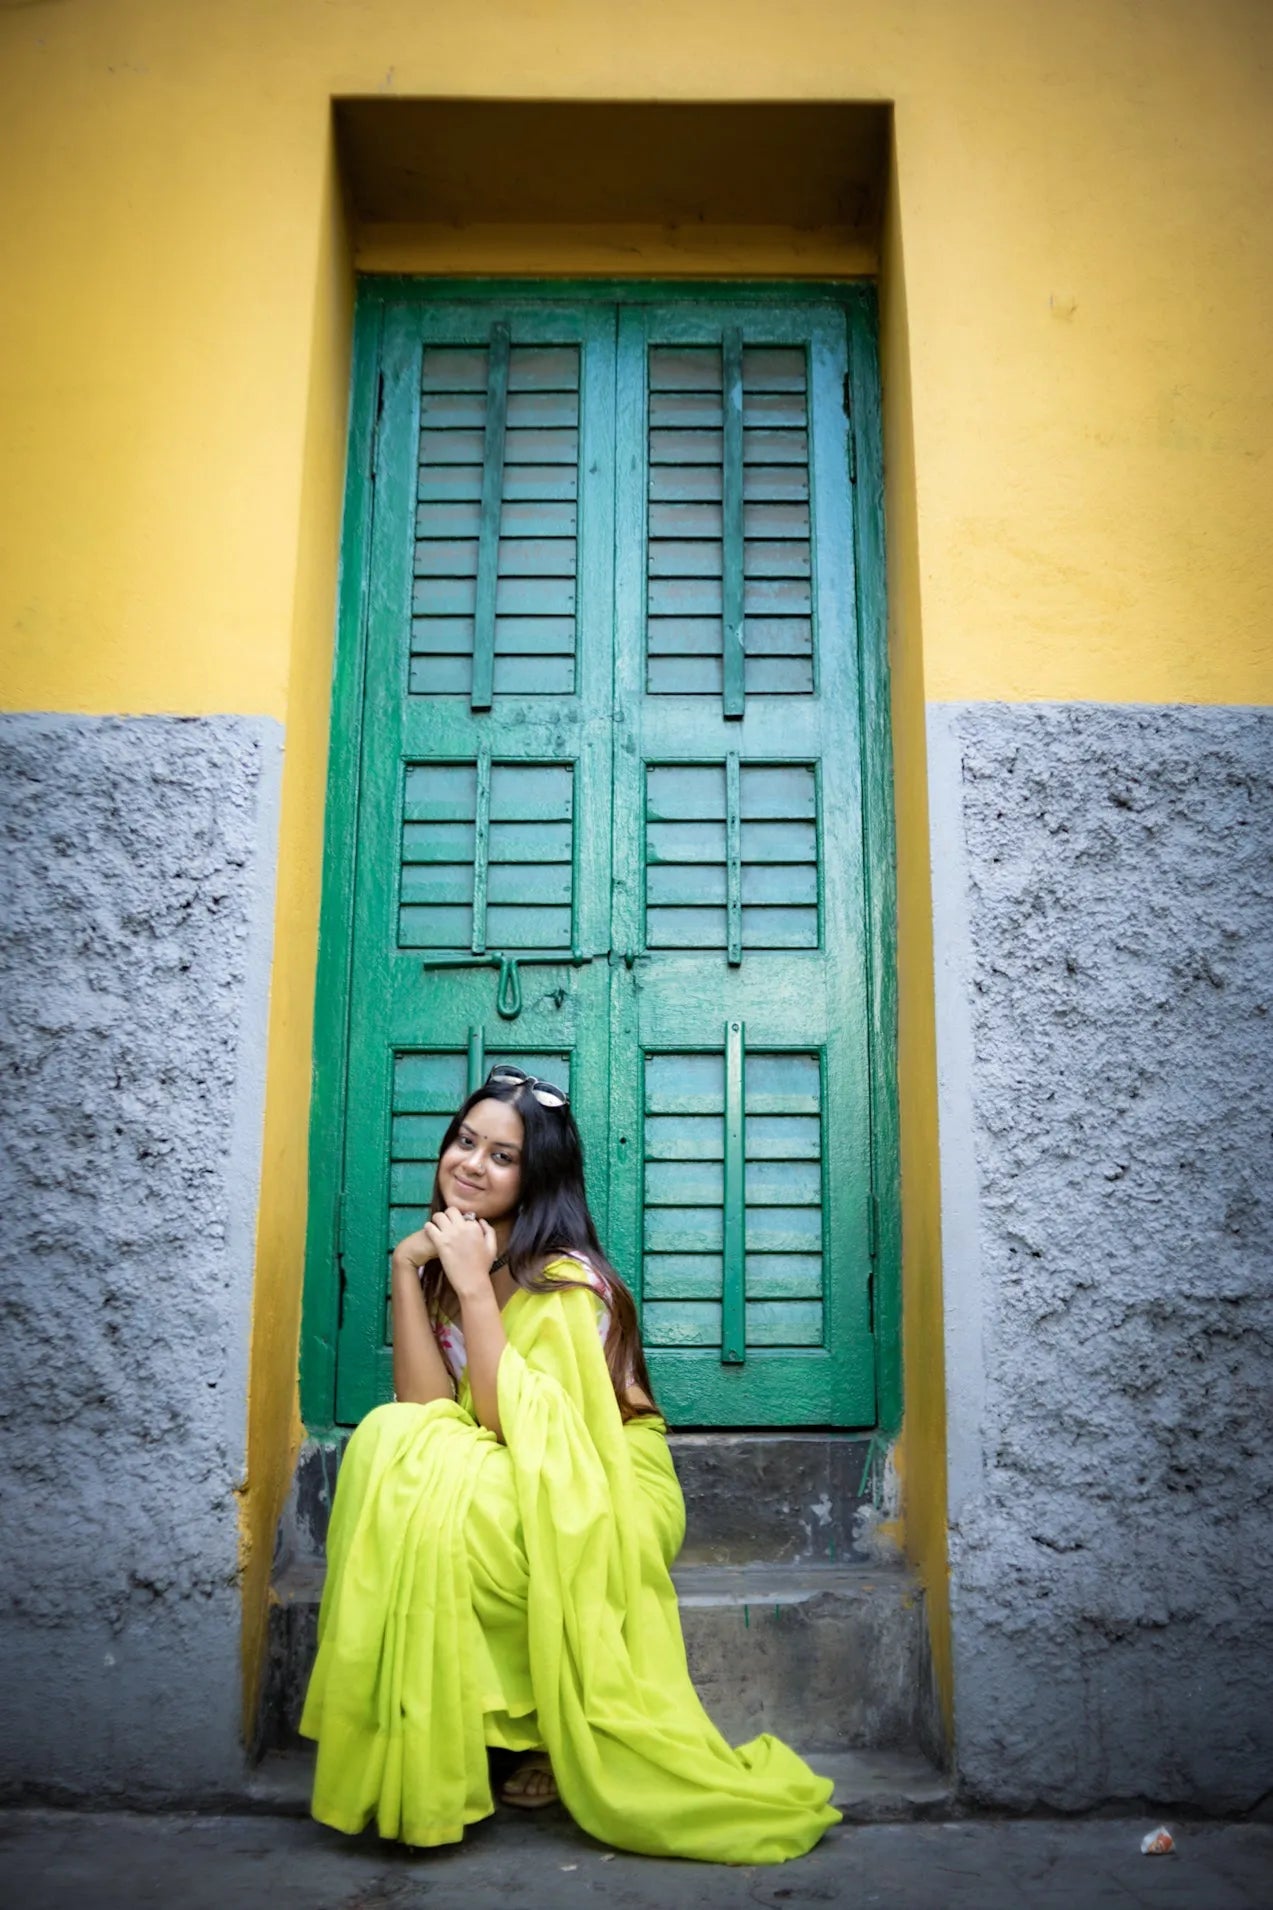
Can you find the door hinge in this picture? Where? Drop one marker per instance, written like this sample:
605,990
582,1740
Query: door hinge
375,427
848,413
342,1278
872,1226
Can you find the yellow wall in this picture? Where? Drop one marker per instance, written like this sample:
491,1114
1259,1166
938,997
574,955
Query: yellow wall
1081,191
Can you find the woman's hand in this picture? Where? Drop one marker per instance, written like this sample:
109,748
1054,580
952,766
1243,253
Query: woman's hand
465,1245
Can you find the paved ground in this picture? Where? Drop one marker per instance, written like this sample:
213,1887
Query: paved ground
53,1860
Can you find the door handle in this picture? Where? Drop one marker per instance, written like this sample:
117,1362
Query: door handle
508,992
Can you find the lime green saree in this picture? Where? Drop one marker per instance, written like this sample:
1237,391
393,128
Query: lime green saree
517,1594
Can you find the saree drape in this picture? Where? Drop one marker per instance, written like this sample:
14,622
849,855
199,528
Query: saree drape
518,1594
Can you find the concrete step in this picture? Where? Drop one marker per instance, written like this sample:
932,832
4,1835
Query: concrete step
829,1657
871,1787
789,1497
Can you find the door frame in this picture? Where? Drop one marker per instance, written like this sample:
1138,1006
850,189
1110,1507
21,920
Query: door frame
324,1273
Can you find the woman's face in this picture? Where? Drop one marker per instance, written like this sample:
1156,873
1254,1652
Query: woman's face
481,1171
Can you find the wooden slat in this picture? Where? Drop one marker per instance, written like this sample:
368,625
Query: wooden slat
493,448
536,446
685,597
684,636
534,676
775,885
774,368
676,884
454,368
434,927
416,1137
456,558
780,928
765,446
733,1339
778,792
523,483
527,882
784,1230
764,558
553,410
686,928
733,861
768,1323
437,842
697,1276
779,636
514,597
543,368
684,842
778,597
700,522
514,636
442,792
684,1230
531,792
684,368
684,1183
453,410
539,557
685,676
685,483
686,410
695,792
530,927
457,519
677,1137
434,883
519,841
427,1083
784,1184
784,1137
779,676
689,447
685,1084
451,447
679,557
791,841
783,410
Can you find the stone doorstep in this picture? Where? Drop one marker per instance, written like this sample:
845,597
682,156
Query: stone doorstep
871,1787
791,1497
831,1658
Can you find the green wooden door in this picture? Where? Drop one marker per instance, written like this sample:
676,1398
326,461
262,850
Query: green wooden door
609,823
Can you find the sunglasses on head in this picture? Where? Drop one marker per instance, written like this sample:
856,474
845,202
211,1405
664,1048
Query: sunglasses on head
544,1092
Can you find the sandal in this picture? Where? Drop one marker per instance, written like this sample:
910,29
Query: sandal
530,1785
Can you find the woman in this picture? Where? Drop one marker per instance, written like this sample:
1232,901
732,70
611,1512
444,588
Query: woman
501,1536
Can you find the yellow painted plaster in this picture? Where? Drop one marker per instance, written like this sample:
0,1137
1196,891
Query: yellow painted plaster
274,1427
616,251
920,1454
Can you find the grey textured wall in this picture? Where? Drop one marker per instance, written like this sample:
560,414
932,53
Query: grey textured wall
1103,881
135,934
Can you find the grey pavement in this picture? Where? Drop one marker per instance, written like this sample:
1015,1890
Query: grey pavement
53,1860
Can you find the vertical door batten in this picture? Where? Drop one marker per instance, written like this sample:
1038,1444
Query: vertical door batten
733,860
733,692
492,504
733,1329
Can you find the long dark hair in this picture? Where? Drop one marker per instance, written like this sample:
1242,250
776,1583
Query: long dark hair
552,1219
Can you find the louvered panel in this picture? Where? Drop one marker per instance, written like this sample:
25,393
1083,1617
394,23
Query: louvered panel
685,556
503,880
688,856
428,1086
536,560
684,1227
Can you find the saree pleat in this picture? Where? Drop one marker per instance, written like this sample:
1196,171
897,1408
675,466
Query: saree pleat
518,1594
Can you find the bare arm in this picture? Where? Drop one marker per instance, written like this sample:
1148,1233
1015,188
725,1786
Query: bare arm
466,1248
419,1370
485,1340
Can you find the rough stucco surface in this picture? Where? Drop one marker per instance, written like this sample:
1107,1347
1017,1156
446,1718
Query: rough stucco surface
1112,1550
134,953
